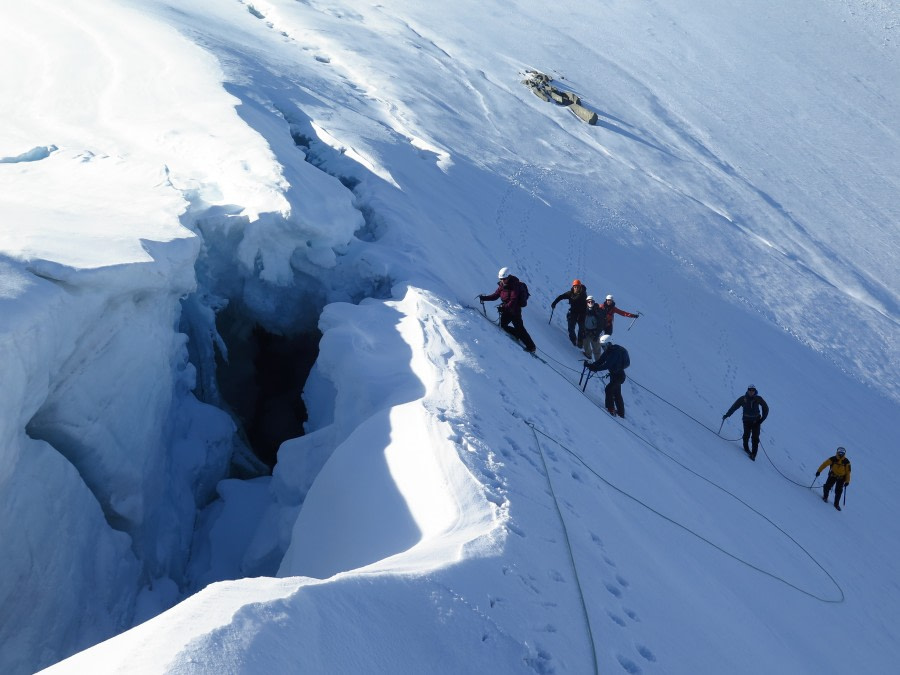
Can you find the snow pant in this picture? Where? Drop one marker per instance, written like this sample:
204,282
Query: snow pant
574,320
838,483
591,344
517,330
751,432
614,400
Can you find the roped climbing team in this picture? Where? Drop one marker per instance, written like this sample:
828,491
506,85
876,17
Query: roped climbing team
590,327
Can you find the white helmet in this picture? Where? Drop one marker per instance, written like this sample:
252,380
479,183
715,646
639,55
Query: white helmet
503,273
606,340
609,297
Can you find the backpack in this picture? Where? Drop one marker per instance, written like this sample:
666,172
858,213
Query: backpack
618,359
524,294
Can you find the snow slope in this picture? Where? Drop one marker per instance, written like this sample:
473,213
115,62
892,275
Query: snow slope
455,505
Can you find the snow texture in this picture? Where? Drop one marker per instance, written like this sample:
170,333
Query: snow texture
170,172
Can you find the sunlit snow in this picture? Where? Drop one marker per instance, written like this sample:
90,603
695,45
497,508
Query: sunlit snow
222,222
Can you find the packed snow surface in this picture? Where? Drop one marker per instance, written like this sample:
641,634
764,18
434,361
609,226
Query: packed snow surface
177,179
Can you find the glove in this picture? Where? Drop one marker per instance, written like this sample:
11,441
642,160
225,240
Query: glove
724,417
553,305
480,298
817,474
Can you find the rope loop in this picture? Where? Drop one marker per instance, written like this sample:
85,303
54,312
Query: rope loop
737,558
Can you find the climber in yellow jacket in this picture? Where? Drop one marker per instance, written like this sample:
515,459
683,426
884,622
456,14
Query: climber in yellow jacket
838,475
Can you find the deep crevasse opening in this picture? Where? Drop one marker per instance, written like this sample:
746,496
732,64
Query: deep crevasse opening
157,417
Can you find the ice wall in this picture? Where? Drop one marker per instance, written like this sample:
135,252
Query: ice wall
105,452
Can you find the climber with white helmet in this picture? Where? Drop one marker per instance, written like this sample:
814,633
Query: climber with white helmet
615,359
513,295
838,476
593,327
610,310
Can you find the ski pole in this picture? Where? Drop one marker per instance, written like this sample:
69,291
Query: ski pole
720,431
846,487
813,482
583,368
552,309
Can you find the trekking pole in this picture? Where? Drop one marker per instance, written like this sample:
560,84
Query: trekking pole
813,482
720,431
583,368
552,309
846,487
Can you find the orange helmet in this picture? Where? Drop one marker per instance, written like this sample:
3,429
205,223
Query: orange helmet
576,282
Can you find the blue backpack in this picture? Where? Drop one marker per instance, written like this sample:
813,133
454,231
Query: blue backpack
619,359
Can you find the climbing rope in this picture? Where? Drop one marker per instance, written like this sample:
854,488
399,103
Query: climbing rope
686,414
535,430
547,358
812,486
737,558
584,609
550,358
765,452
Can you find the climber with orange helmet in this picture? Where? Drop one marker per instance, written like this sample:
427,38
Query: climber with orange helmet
577,297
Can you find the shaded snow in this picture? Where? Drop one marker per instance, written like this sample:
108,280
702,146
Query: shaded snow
455,504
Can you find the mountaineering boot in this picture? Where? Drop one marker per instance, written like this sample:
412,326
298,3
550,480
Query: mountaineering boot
611,411
837,506
825,498
753,456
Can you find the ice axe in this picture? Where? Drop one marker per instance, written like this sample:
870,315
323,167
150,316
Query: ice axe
636,317
586,380
483,310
